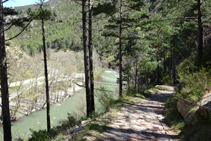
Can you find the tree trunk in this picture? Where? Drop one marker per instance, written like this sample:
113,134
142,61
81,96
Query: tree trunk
120,51
46,75
91,59
173,67
136,74
158,71
4,81
86,60
164,63
200,29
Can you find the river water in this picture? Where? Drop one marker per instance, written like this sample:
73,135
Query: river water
58,112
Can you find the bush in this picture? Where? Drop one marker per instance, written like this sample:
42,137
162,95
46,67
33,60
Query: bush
7,43
195,83
40,135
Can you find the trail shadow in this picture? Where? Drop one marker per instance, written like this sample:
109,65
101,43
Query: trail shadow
149,112
162,97
116,134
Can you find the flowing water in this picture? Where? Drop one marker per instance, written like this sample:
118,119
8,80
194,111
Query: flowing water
73,105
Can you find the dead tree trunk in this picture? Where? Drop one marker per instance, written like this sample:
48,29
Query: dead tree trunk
4,81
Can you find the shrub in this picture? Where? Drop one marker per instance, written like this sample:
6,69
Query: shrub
195,83
40,135
7,43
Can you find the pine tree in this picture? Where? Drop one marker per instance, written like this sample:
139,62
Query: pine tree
121,19
90,47
86,60
3,64
46,71
4,81
44,14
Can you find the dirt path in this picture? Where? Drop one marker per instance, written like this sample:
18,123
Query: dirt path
139,120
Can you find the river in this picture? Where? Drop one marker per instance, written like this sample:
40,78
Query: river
58,112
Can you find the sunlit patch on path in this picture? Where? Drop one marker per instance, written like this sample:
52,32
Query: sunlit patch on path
140,120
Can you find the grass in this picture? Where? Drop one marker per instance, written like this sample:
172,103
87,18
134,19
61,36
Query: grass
173,116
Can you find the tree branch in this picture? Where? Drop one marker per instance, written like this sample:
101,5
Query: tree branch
20,31
5,1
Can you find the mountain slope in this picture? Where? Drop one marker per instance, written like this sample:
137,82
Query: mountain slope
64,33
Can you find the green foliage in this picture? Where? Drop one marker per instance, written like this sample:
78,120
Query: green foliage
96,127
7,43
71,121
106,8
195,83
44,14
65,35
40,135
172,114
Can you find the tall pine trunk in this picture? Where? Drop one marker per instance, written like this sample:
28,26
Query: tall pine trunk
120,51
46,75
200,29
164,63
4,81
86,60
91,60
136,73
158,71
174,67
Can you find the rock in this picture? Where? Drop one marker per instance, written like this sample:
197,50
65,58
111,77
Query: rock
77,129
206,102
188,111
86,121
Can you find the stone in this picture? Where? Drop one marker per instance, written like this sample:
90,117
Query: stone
206,102
188,111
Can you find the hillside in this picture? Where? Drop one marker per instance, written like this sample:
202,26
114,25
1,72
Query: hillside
63,33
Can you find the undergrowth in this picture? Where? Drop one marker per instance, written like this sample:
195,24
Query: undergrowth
195,83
